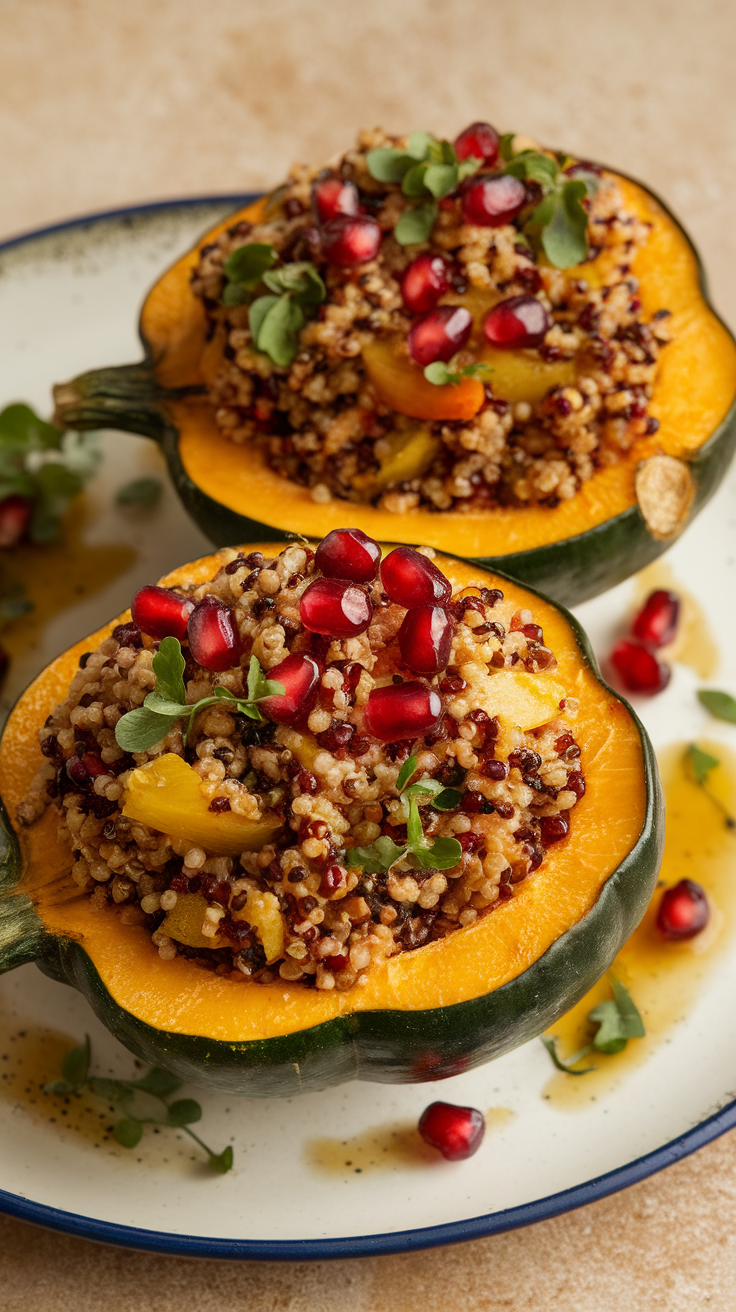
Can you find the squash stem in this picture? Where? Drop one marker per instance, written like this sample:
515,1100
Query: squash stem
126,397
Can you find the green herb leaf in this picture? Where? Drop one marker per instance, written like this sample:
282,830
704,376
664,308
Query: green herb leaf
158,1083
164,706
420,144
59,1086
184,1112
564,237
405,773
128,1132
533,166
389,165
248,263
443,854
301,279
278,334
504,145
257,314
701,763
75,1066
415,225
377,858
440,373
140,492
413,183
447,800
257,681
441,179
414,831
168,666
114,1091
234,293
720,704
21,426
618,1019
142,729
222,1162
551,1046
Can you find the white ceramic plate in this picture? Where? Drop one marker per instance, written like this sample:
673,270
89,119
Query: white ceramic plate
69,300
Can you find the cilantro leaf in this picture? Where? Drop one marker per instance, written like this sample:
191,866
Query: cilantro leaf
20,426
564,236
720,704
566,1066
618,1019
416,224
157,1082
701,763
168,666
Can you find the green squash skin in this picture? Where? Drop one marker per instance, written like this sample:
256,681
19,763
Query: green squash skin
386,1046
570,571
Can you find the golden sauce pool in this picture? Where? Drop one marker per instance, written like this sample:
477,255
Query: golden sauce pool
663,977
694,644
391,1147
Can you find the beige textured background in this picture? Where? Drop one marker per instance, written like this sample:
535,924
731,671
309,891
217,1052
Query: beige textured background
105,102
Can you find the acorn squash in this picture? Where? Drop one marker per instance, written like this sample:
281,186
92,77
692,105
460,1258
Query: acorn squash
426,1014
619,520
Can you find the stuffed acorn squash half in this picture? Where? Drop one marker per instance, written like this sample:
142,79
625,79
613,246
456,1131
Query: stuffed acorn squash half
299,819
488,347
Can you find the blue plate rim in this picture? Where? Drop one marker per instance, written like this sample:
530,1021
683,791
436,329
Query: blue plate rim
401,1241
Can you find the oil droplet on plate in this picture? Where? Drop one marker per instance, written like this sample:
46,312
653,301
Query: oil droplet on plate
663,977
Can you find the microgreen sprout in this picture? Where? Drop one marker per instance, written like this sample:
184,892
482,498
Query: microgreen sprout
139,1102
440,854
700,765
618,1020
276,317
166,704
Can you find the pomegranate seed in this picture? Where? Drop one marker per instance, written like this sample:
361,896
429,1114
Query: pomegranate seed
656,622
77,771
479,141
335,607
456,1131
214,640
439,334
15,512
348,553
127,635
683,910
402,710
160,613
411,579
300,674
638,669
425,639
335,877
493,199
424,282
334,196
552,828
518,321
350,239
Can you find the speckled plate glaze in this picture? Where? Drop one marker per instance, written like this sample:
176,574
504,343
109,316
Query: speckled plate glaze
69,298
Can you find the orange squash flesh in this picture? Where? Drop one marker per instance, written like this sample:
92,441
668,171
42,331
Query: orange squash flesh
693,393
179,998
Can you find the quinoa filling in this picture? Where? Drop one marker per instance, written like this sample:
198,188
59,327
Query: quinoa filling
566,386
327,841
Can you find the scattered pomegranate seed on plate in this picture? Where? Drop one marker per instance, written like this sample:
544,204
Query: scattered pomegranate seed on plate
683,911
656,623
160,613
348,240
456,1131
402,710
479,141
299,674
425,639
348,553
214,640
335,607
426,279
491,199
516,322
411,579
638,668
